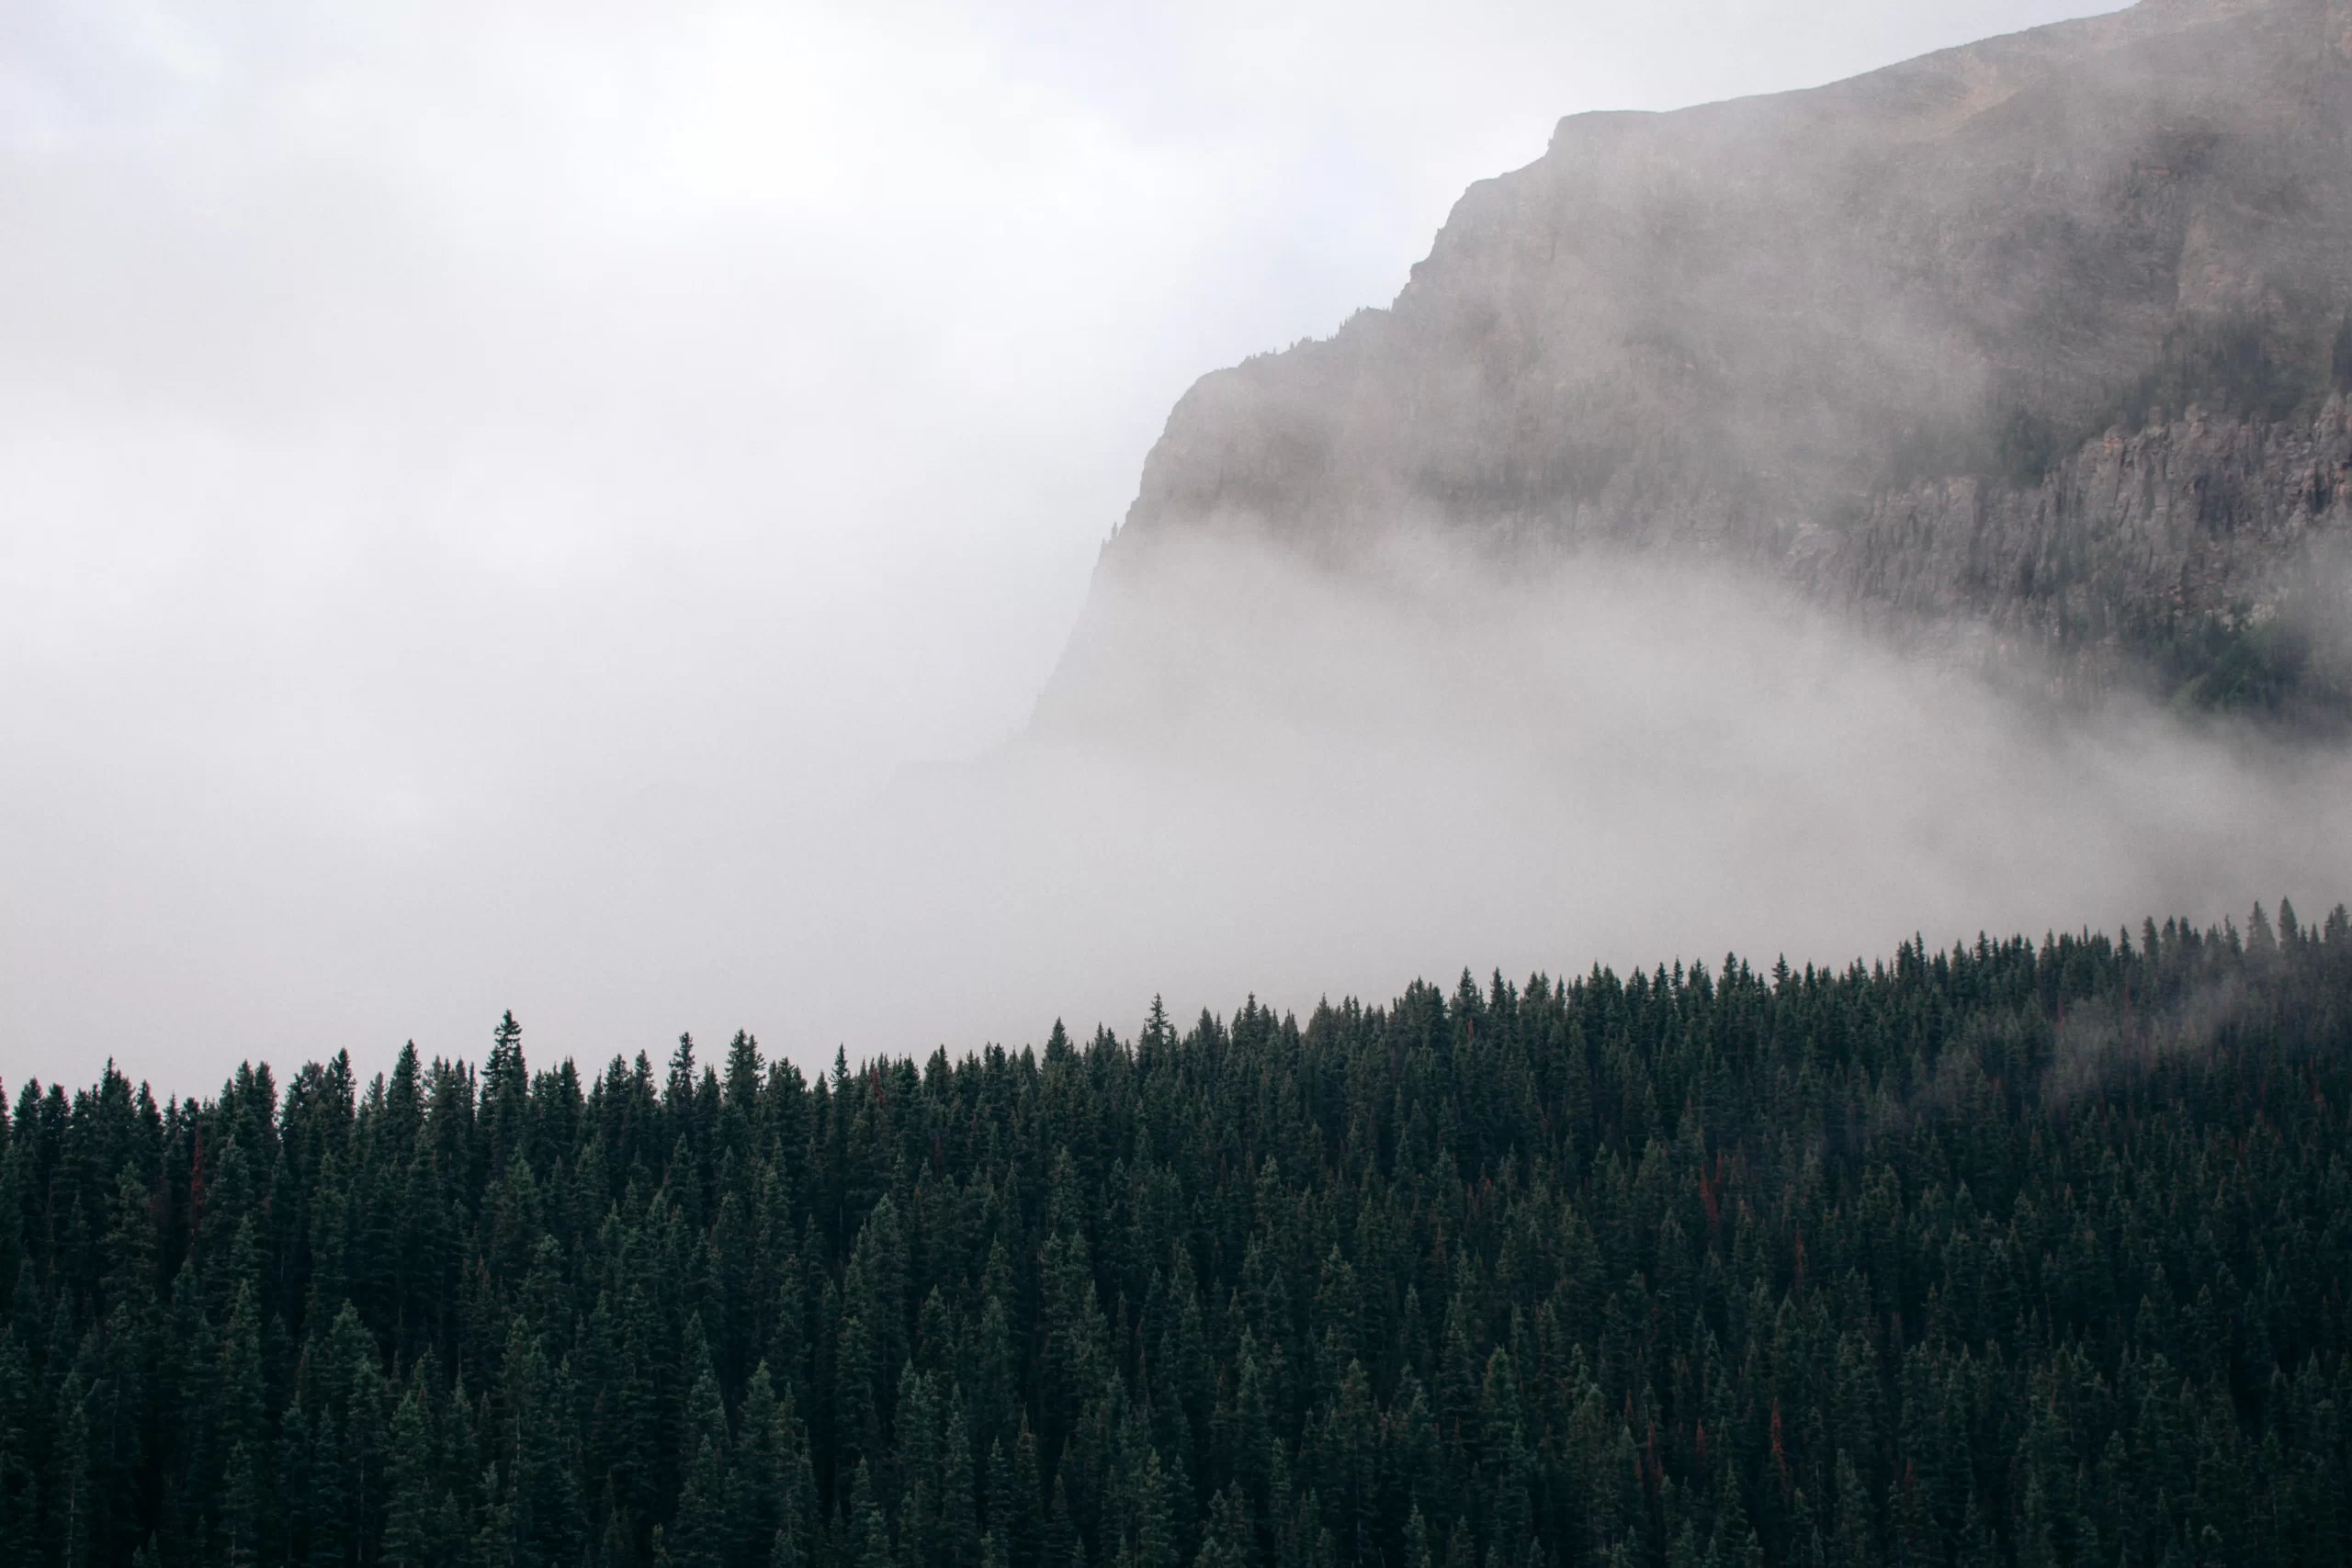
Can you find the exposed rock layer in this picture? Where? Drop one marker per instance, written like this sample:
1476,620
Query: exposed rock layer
2036,342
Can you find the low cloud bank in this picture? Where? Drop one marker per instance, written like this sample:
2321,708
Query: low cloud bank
1252,776
1258,775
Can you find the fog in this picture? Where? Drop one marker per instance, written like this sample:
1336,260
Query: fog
1326,782
575,512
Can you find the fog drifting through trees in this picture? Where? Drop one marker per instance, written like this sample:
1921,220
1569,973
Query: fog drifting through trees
1261,770
474,498
1270,780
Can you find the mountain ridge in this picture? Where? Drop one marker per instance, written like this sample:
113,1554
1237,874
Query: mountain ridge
1931,303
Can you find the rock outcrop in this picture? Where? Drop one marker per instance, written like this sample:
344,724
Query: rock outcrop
2042,341
2181,551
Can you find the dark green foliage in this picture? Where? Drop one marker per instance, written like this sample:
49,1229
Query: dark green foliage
2236,664
2010,1255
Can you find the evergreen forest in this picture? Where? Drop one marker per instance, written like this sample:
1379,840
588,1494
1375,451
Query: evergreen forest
2017,1253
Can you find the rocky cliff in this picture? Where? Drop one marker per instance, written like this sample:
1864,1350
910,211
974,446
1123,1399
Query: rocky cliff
2038,343
2199,553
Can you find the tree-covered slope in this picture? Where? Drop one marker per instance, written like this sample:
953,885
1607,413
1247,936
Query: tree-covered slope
2009,1254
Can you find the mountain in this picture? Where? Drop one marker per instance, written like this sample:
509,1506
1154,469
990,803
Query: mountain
2039,346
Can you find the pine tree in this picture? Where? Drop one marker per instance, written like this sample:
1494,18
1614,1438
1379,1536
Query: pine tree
550,1528
412,1520
20,1497
869,1538
1155,1537
241,1510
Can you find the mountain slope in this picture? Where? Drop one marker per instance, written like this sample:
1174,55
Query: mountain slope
2040,341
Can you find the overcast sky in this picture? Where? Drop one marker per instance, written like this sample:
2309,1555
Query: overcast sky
429,429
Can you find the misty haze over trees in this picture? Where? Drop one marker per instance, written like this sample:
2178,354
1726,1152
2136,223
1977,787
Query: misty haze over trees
1917,503
1633,569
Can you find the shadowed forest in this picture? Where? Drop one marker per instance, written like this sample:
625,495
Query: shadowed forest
2010,1254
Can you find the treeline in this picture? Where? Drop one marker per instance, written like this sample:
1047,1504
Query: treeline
2011,1254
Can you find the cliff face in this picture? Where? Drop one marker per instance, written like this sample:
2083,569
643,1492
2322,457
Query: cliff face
2037,341
2204,553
